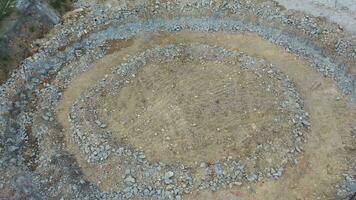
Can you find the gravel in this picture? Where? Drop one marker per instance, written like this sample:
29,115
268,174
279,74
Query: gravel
74,45
227,171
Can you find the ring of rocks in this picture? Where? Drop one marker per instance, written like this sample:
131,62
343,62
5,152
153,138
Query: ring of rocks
30,97
90,132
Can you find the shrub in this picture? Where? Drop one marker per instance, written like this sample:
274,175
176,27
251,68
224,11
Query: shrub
62,6
32,29
6,7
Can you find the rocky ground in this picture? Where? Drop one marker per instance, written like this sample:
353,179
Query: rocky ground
24,23
341,12
199,99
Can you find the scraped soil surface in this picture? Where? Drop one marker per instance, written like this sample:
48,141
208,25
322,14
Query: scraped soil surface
201,112
189,107
194,112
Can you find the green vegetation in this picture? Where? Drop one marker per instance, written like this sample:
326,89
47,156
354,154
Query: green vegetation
32,29
4,57
6,7
62,6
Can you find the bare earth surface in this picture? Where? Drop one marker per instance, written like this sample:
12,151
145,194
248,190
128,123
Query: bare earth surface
185,99
322,161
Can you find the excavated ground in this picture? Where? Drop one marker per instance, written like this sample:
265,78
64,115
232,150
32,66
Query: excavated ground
183,100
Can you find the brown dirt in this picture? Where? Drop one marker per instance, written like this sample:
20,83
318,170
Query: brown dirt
324,157
195,112
2,75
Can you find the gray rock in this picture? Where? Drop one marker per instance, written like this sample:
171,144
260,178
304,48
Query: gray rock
130,179
13,148
306,123
45,117
252,177
168,177
218,168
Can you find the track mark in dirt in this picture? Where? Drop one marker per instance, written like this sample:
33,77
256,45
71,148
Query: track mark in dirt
322,162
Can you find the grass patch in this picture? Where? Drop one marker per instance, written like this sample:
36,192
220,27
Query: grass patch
32,29
62,6
6,8
5,58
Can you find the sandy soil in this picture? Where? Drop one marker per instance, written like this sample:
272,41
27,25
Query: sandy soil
323,160
194,112
180,108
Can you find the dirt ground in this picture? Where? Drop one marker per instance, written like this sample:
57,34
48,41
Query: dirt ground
194,112
179,99
324,152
